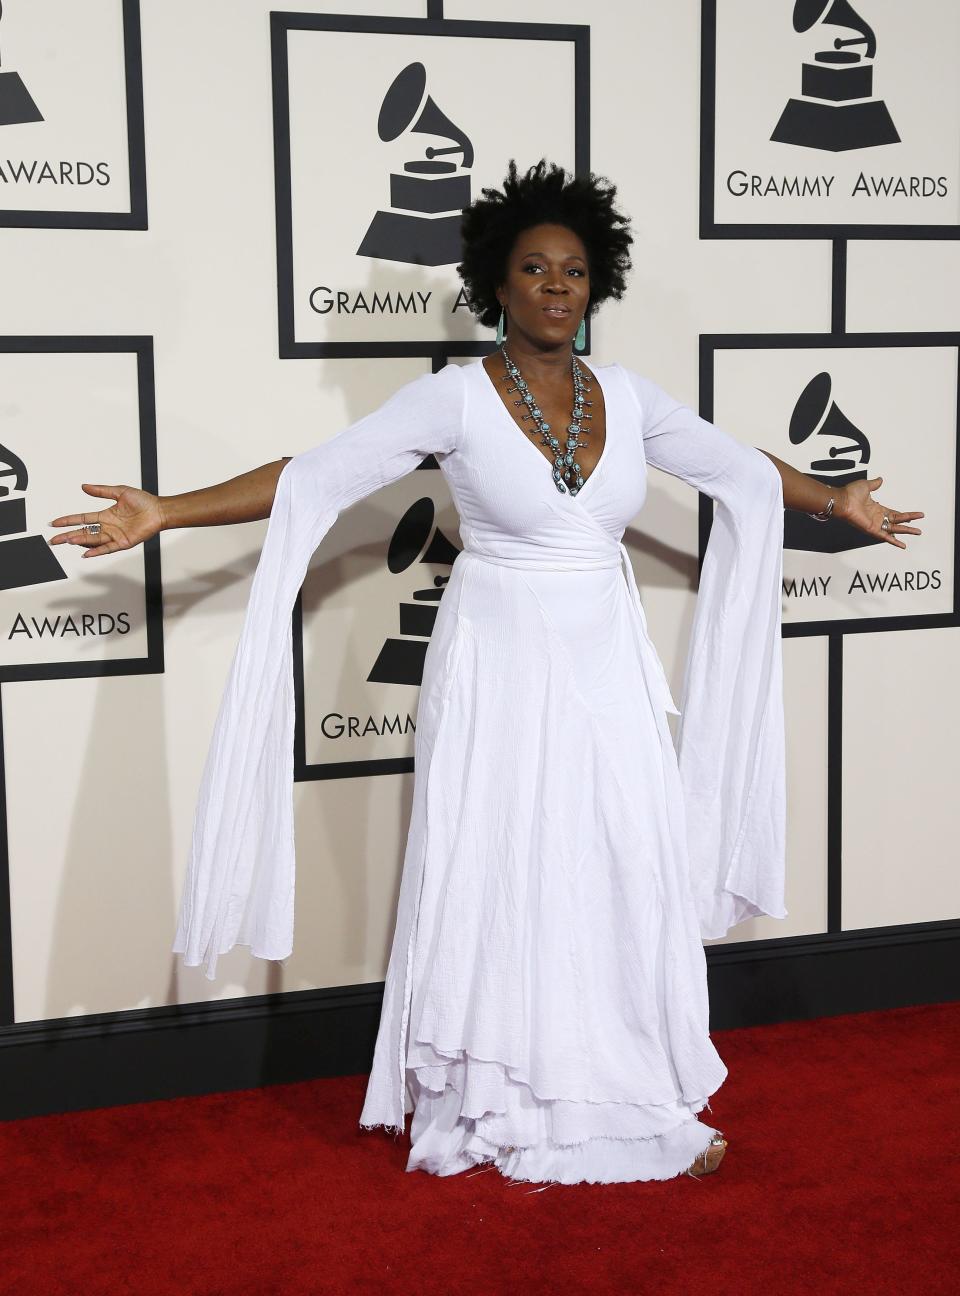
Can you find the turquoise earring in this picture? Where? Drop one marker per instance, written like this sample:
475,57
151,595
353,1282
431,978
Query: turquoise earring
580,341
501,330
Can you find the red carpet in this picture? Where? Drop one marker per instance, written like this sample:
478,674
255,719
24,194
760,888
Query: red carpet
842,1175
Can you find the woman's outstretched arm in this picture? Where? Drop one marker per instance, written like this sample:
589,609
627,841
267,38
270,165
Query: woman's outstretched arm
137,514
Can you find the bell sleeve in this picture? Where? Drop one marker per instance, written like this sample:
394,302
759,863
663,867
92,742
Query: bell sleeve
730,738
239,887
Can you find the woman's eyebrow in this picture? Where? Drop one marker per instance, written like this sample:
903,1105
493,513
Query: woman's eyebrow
573,256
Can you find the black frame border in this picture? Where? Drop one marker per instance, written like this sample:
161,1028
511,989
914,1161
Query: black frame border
435,25
305,771
709,227
151,664
136,217
711,343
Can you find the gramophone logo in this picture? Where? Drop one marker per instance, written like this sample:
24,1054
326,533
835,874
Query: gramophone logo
16,103
837,111
817,415
348,720
416,540
24,559
422,226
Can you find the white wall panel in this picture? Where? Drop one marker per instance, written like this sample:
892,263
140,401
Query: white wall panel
901,813
102,774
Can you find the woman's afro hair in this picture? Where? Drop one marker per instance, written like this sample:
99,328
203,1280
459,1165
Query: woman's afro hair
545,194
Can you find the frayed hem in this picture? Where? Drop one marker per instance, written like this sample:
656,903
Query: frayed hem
513,1180
395,1130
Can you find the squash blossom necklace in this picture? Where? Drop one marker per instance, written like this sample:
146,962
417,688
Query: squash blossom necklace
565,465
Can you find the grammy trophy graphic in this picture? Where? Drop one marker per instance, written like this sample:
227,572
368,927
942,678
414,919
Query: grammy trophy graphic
837,111
817,415
24,559
423,225
16,103
416,539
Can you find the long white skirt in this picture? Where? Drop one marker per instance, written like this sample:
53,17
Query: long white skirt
545,1007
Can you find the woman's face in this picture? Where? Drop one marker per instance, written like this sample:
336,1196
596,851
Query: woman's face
547,287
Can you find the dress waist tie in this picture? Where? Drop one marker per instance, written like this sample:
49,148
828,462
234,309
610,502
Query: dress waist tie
641,621
657,677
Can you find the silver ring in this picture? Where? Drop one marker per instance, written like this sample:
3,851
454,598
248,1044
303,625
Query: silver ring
93,528
885,524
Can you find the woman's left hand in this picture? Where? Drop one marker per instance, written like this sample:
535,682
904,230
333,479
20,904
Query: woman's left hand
861,511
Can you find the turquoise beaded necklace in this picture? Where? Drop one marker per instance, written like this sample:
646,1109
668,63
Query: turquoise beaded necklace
565,465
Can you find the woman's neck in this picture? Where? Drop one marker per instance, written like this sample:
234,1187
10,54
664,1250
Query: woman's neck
546,367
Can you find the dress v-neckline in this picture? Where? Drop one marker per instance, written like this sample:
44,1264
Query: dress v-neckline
539,453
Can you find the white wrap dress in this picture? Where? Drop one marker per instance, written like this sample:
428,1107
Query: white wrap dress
545,1005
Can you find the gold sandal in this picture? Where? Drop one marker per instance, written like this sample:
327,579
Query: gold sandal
710,1158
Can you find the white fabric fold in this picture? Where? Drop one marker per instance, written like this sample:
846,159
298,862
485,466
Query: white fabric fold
239,888
730,741
730,738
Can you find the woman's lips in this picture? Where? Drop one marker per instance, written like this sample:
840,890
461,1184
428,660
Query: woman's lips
558,311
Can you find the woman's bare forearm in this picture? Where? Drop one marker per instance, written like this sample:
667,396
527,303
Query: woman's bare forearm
247,498
805,493
853,502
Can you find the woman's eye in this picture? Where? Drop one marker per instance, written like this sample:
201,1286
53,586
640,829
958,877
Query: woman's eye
577,270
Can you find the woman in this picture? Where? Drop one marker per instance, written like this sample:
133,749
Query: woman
545,1007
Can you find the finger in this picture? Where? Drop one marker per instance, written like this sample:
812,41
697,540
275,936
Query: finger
99,550
91,488
897,521
75,519
895,515
75,537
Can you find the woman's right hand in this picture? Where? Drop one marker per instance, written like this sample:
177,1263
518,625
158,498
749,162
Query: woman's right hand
134,518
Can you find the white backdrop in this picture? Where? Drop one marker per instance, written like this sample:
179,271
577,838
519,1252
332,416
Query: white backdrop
102,773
